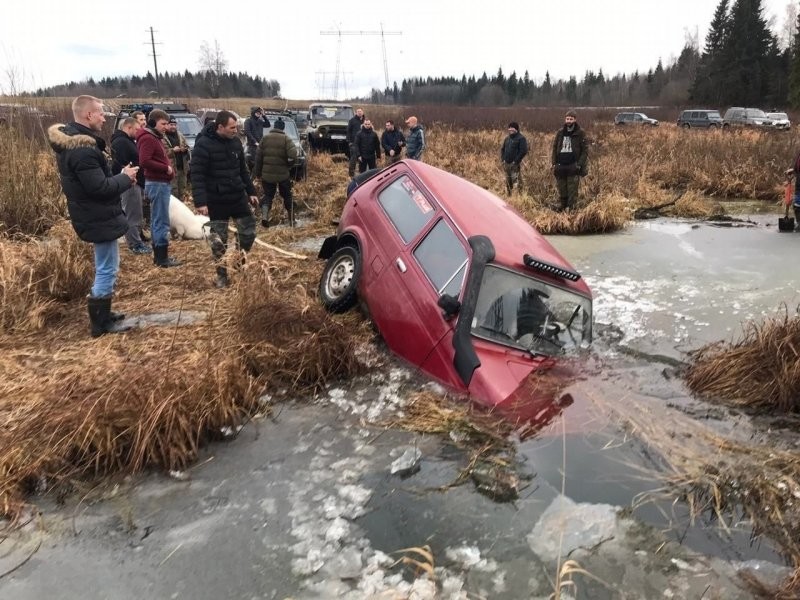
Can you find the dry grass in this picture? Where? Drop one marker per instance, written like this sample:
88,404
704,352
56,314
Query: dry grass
760,370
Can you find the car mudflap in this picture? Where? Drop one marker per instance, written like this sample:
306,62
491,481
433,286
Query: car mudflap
328,247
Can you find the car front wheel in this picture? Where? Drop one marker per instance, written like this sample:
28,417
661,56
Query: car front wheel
713,126
686,126
337,287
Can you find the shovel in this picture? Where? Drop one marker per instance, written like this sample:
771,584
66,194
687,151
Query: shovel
786,223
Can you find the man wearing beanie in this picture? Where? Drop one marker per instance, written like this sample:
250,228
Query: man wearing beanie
513,150
570,156
275,155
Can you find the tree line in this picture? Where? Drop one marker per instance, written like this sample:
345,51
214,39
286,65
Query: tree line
204,84
742,63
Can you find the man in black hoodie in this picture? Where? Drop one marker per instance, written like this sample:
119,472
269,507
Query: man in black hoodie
392,142
513,150
93,202
254,131
570,157
367,147
353,127
221,187
124,152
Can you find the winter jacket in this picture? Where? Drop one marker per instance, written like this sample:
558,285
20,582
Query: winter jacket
177,159
254,128
275,155
124,152
367,144
218,170
393,140
152,155
93,193
514,148
415,142
578,165
353,127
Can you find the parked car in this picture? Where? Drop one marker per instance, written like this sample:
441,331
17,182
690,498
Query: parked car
300,169
327,126
746,117
188,123
13,111
703,118
780,120
634,118
456,281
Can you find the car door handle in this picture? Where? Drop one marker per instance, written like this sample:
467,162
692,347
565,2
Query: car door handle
400,265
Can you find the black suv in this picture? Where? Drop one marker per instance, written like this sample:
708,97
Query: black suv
695,117
188,123
300,169
327,127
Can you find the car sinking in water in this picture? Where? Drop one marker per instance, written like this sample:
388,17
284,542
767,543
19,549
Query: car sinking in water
456,281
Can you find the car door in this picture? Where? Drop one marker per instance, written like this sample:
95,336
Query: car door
401,299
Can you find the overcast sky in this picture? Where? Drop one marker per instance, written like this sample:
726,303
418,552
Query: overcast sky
55,41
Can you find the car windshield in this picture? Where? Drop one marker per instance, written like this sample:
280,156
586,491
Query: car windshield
289,128
189,125
519,311
778,116
339,113
756,113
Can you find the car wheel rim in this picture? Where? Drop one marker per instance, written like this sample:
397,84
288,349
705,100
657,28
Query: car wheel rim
341,276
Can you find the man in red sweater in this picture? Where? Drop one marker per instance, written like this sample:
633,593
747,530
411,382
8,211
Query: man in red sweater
158,174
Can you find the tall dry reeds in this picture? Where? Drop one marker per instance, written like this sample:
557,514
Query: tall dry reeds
760,370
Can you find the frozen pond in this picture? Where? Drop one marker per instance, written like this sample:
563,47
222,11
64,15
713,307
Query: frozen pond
304,505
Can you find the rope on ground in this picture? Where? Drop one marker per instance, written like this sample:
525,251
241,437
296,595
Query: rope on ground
275,248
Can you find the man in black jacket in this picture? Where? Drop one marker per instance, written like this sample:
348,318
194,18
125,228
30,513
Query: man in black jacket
392,142
221,185
254,131
569,158
93,202
353,127
123,150
513,150
367,147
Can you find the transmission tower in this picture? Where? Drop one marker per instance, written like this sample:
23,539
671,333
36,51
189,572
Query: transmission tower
155,61
339,33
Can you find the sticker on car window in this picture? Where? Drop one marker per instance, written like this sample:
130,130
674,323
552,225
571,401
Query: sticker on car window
422,203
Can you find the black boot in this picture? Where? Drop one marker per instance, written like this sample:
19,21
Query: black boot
222,277
161,257
100,317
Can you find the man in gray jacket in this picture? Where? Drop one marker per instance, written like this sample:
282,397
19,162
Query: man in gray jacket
415,142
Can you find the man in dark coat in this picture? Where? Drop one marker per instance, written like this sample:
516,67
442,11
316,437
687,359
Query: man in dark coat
221,186
254,130
415,142
513,150
392,142
368,147
274,158
570,157
178,154
123,151
93,202
353,127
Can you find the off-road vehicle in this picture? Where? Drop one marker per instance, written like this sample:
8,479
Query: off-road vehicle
746,117
327,126
700,117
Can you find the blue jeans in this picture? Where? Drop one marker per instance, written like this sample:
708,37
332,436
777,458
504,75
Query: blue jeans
159,194
106,266
796,200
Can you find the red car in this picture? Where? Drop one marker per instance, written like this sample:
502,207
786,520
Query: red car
457,282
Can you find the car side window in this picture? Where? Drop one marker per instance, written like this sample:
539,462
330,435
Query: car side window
443,258
407,207
637,117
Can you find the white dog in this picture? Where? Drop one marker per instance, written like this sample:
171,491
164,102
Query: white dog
184,223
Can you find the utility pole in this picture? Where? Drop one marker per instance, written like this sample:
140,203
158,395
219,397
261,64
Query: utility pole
155,61
339,33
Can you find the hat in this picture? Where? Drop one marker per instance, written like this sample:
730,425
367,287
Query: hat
279,124
513,125
172,119
255,109
571,113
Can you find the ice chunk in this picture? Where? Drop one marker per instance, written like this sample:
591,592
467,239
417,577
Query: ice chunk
408,463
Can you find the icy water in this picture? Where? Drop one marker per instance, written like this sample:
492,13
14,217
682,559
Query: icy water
304,504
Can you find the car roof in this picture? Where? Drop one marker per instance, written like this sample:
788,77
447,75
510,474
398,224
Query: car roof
474,210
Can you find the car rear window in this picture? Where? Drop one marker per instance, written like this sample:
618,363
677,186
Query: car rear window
407,207
443,258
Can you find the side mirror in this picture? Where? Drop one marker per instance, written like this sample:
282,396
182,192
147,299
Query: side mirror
449,305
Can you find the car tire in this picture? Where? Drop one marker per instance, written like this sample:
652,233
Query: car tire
339,282
686,126
713,126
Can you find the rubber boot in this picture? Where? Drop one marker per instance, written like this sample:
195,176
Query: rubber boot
162,259
222,277
100,317
265,208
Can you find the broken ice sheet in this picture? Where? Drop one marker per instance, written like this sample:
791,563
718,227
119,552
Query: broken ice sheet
408,463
